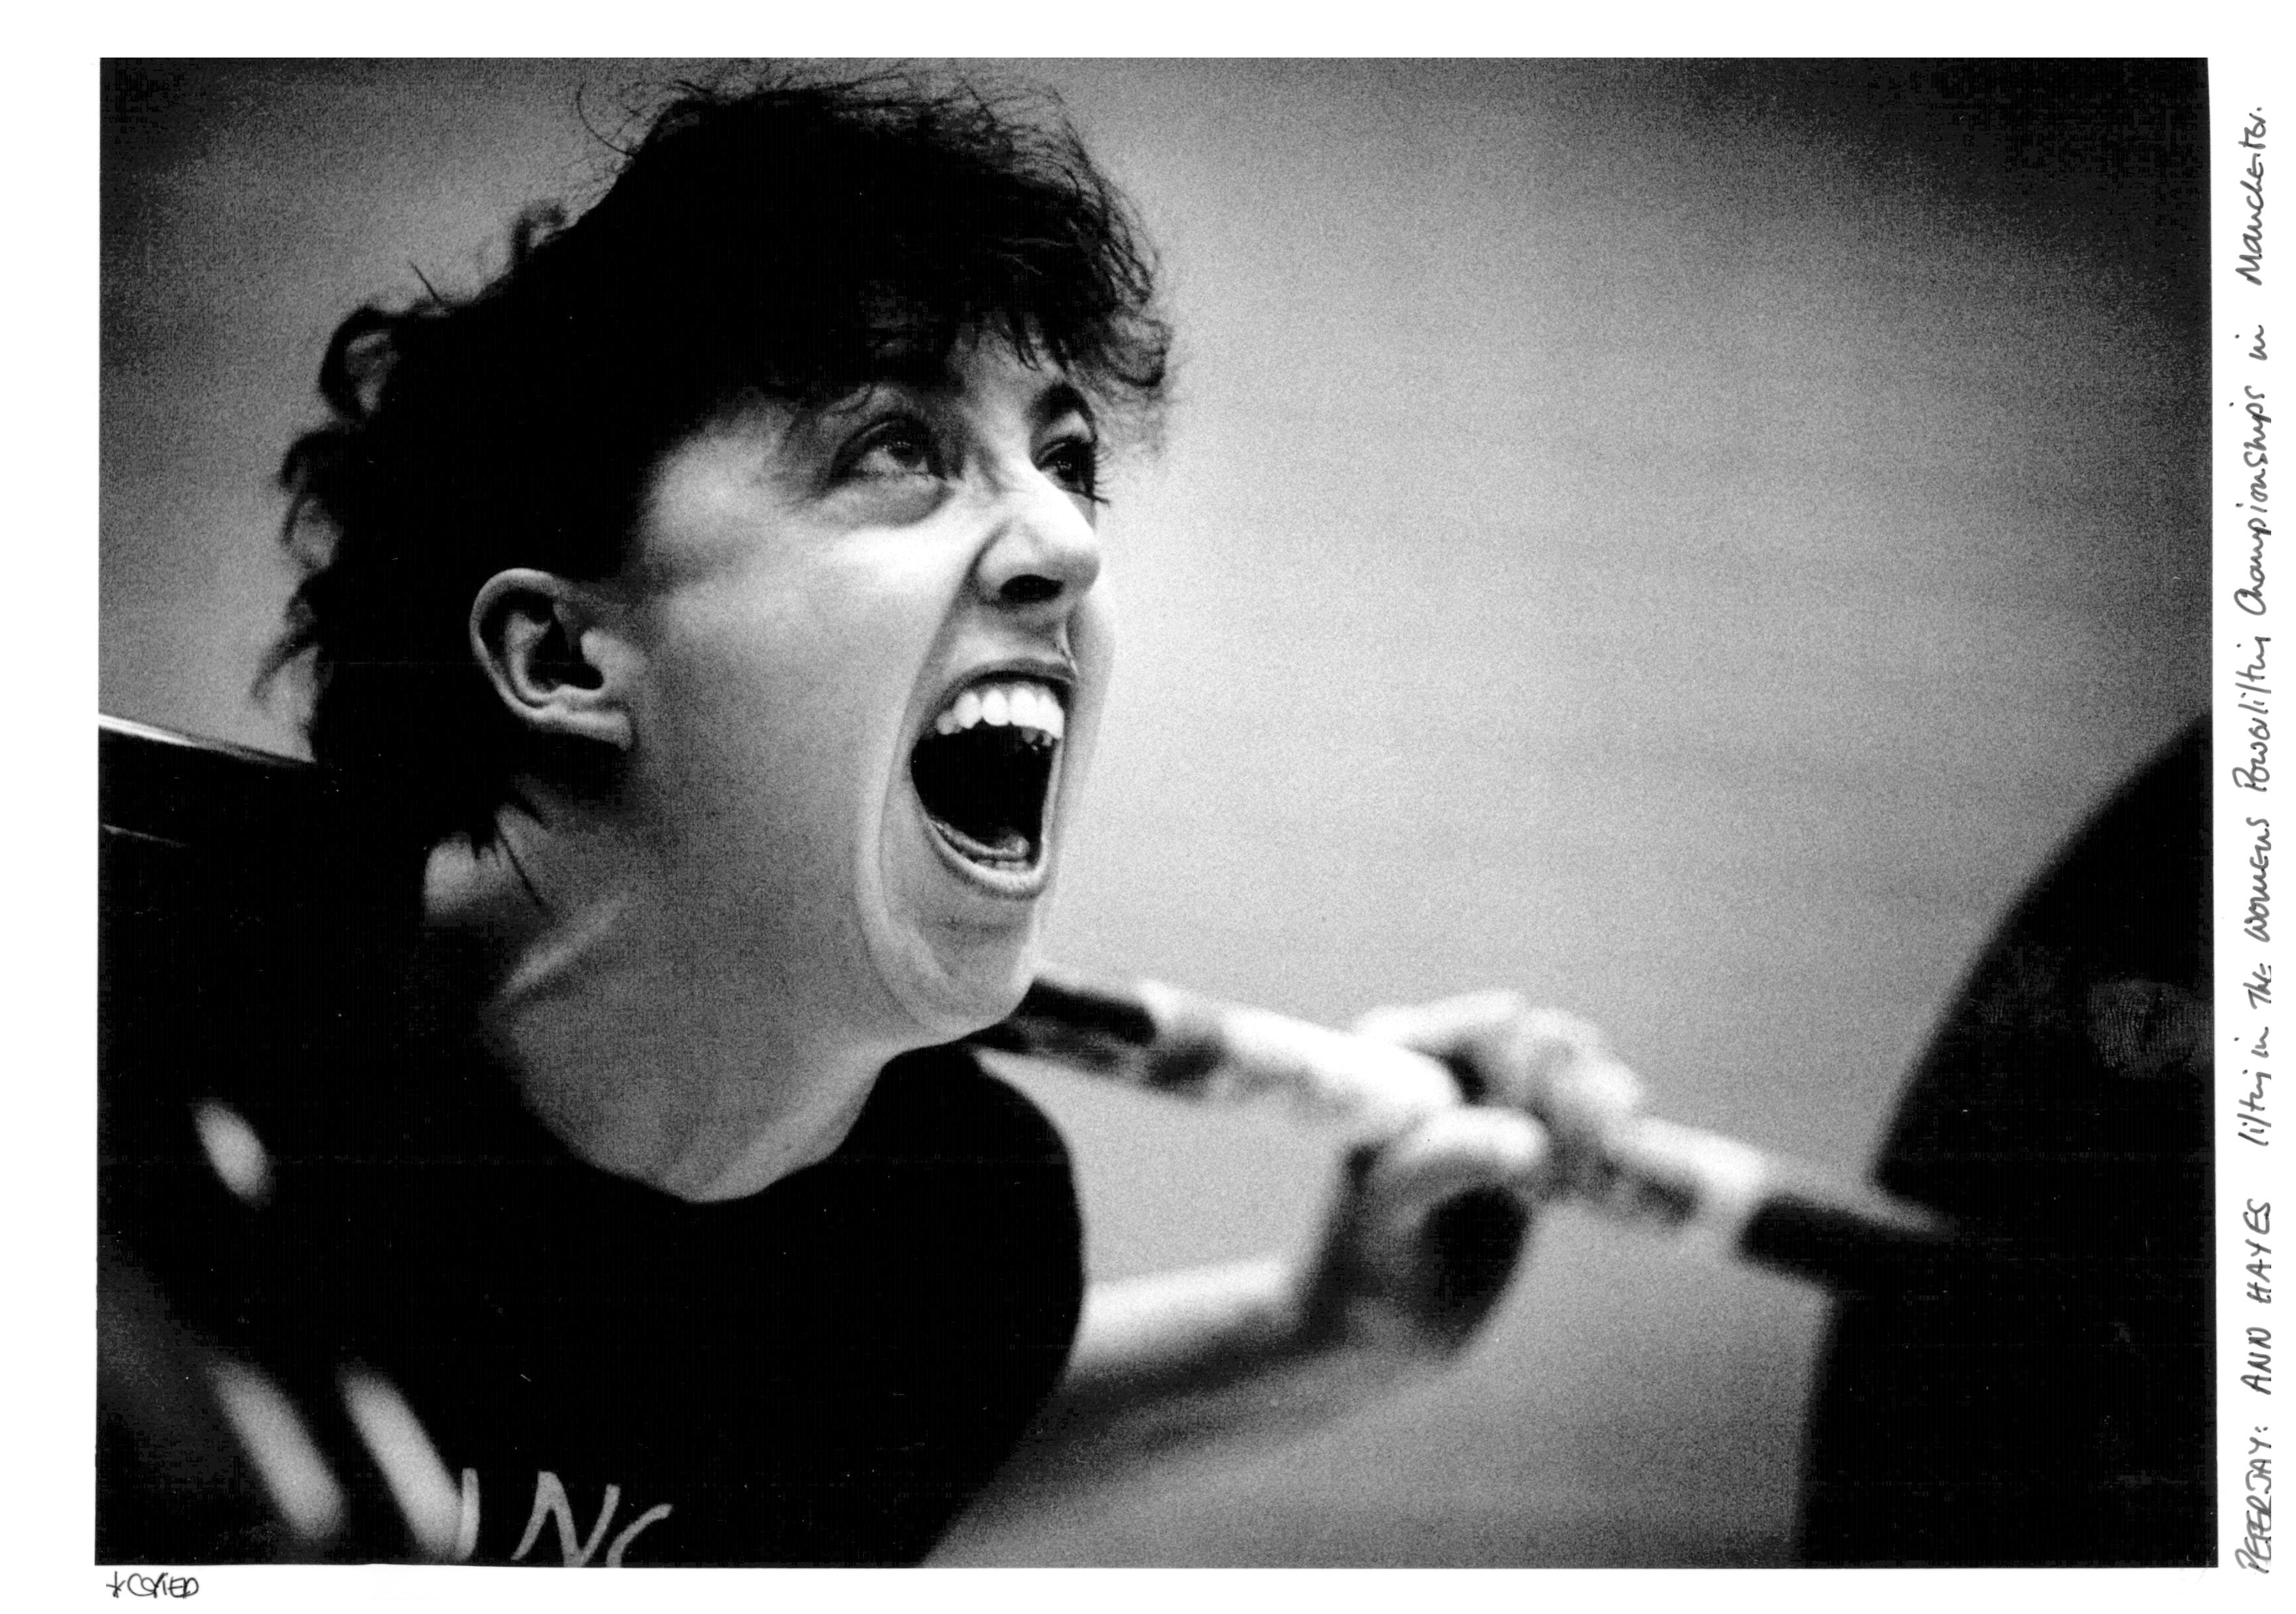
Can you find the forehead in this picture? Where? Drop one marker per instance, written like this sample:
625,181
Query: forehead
977,371
987,375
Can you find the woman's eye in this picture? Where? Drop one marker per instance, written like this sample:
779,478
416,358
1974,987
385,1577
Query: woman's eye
1074,462
899,449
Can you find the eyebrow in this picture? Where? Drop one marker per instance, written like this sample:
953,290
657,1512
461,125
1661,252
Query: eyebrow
1061,399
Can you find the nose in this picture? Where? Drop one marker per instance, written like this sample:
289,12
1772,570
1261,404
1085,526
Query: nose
1042,555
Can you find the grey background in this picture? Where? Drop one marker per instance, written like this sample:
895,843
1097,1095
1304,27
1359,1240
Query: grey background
1685,540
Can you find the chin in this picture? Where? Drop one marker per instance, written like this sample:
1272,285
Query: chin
954,934
967,838
951,987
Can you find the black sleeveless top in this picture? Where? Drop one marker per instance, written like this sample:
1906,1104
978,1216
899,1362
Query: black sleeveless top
822,1372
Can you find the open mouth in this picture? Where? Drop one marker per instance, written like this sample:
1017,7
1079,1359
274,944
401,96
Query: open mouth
983,770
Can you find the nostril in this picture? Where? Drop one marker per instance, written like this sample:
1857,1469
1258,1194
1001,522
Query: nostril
1028,589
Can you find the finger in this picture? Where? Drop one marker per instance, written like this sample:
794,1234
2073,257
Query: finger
1443,1159
1505,1052
1588,1095
1475,1036
1440,1220
1462,1024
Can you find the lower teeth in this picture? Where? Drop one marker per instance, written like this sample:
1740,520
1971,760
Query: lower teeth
1011,847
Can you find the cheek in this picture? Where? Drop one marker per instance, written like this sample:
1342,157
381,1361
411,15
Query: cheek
1092,640
788,690
1092,634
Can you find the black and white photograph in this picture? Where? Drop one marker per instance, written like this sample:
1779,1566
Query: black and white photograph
1267,813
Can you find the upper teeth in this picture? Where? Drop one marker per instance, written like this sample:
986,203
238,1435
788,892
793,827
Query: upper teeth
1023,703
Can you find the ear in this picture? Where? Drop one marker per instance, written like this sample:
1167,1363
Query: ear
556,659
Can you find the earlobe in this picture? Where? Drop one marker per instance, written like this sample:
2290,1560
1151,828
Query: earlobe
552,658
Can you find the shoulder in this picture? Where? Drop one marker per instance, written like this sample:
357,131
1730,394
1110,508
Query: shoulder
939,1106
970,1187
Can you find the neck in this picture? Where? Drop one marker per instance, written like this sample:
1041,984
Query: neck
654,1049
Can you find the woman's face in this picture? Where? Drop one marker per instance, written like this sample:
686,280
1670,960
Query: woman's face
873,658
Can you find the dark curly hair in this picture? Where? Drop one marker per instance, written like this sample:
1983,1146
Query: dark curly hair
797,237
